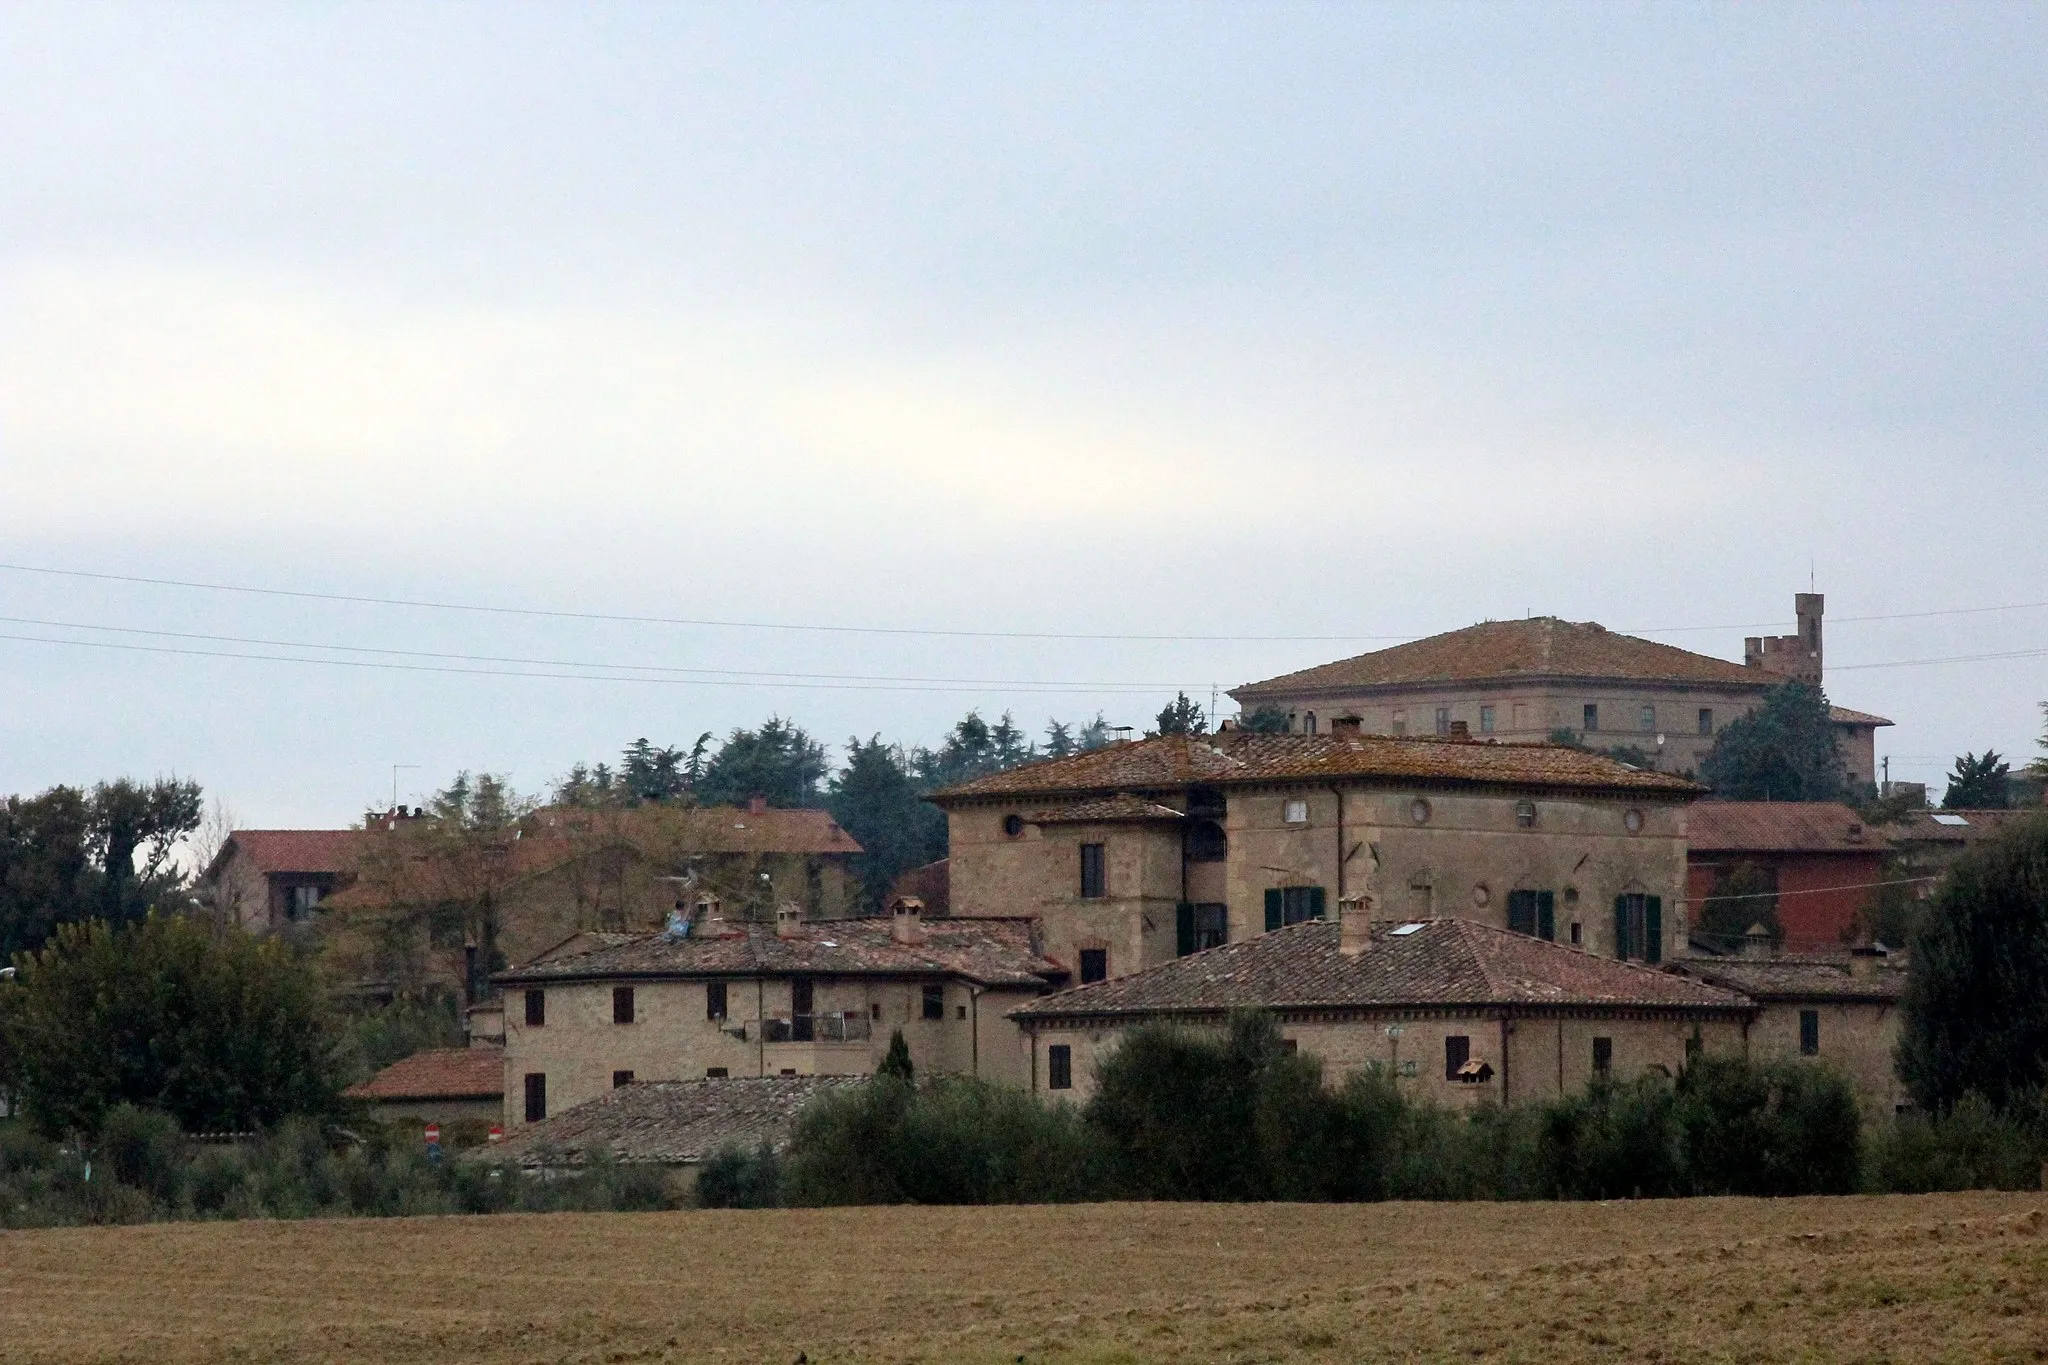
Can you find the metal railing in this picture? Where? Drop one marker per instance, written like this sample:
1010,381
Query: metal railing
848,1027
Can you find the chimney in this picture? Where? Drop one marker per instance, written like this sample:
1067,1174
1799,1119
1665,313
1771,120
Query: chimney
789,920
1461,732
906,920
1346,725
1354,925
1756,942
756,804
1865,962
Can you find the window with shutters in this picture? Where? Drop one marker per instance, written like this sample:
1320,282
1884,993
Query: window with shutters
1591,716
1457,1052
536,1009
1094,875
935,1001
1199,927
1533,913
1809,1033
1293,904
536,1096
1094,965
620,1078
714,1001
1603,1057
1638,927
1059,1067
622,1004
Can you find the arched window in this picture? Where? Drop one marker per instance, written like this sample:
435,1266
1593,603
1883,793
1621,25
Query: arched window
1207,842
1308,722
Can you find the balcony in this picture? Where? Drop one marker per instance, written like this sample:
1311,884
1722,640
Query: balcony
848,1027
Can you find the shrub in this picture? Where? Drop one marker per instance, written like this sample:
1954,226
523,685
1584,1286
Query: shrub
1972,1147
1783,1128
141,1148
734,1178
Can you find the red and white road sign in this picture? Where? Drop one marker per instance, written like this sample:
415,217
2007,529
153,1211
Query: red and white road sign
433,1134
497,1133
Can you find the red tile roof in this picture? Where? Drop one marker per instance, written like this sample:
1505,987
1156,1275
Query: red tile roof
446,1073
1105,810
1540,647
668,1123
1779,827
1796,978
299,850
715,829
1437,963
1170,762
1956,826
994,952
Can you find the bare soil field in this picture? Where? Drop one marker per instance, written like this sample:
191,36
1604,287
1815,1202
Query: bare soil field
1947,1277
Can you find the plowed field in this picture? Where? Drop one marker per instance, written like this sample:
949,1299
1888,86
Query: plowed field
1960,1277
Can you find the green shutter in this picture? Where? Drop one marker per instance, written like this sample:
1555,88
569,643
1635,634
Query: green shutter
1621,944
1184,928
1315,902
1273,910
1653,929
1546,915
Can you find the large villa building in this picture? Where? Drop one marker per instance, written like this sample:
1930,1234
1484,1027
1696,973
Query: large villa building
1528,679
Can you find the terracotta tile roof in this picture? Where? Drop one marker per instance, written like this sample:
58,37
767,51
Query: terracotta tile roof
668,1123
1842,715
993,952
444,1073
1794,978
1170,762
1955,826
1779,827
1441,962
1540,647
1105,810
299,850
713,829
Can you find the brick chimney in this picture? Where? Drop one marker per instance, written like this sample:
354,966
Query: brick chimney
1461,732
789,920
756,805
1346,725
1354,924
906,920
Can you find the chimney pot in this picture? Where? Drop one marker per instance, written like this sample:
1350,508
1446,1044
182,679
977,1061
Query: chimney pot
788,920
906,920
756,804
1354,925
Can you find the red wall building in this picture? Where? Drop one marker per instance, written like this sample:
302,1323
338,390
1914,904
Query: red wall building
1818,854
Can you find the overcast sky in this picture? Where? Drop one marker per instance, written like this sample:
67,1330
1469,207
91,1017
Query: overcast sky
1206,321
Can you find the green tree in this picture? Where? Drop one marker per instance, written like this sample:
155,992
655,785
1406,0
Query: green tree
1784,750
1743,894
69,855
1266,720
778,763
896,1061
1975,1015
1181,717
224,1033
875,799
1978,783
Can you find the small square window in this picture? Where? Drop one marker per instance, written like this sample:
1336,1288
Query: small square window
1094,965
715,1073
959,1011
1525,814
1294,812
1591,716
536,1009
620,1078
935,1002
1603,1056
1486,720
1094,875
1059,1067
1706,720
622,1004
1809,1033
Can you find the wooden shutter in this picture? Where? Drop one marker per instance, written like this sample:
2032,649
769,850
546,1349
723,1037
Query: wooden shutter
1621,944
1315,902
1274,908
1184,928
1546,915
1653,929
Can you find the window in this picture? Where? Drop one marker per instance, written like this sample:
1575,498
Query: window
1809,1033
1308,723
1576,931
1706,720
1443,720
715,1073
1013,825
1294,812
875,1012
536,1009
1632,821
1603,1057
1207,842
1198,927
1094,877
1521,715
1648,720
1059,1067
303,900
1094,965
1457,1052
1639,927
714,1001
1290,1046
536,1096
1486,720
622,1004
802,1002
620,1078
960,1012
1292,905
1533,913
1400,726
935,1000
1418,811
1525,815
1592,716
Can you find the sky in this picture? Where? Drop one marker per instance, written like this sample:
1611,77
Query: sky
888,361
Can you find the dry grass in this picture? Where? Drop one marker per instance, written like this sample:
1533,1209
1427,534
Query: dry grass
1956,1277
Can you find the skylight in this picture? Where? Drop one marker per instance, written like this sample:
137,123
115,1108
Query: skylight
1407,929
1945,819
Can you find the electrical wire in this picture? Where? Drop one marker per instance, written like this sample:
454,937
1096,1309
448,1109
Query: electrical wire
1815,890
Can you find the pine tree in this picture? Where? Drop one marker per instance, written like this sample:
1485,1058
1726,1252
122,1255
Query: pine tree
1978,783
1784,750
896,1061
1181,717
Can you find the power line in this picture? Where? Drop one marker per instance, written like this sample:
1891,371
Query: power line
1815,890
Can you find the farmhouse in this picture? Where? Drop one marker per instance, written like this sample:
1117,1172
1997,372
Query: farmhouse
439,1085
1811,864
719,998
1139,853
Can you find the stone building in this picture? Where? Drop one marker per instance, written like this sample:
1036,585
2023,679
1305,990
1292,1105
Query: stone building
719,998
264,880
1526,680
1458,1013
1135,854
1813,863
442,1085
